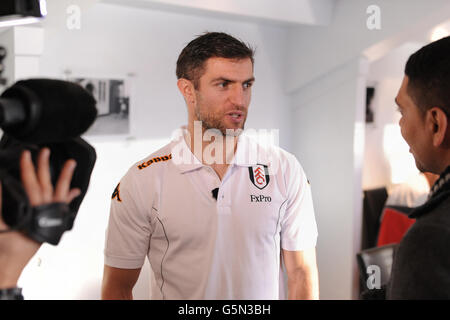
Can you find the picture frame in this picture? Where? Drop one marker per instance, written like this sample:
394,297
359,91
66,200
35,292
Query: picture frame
112,94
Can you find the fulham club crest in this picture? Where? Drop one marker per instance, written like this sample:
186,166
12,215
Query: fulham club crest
259,176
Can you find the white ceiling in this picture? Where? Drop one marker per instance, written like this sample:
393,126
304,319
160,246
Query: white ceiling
281,12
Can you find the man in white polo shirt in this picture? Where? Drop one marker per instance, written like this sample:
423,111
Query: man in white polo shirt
214,211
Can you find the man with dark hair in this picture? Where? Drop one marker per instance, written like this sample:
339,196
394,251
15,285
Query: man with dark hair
214,224
421,266
191,62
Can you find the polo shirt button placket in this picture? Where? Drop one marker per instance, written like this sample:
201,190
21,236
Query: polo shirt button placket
224,199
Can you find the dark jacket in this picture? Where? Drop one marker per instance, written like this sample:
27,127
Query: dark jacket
421,266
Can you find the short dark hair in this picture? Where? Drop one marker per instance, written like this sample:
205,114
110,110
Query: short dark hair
191,61
428,71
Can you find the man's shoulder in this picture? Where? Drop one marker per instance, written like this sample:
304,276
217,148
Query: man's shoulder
434,224
152,163
425,243
434,215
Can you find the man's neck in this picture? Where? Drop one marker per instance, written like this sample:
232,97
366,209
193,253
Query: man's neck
214,149
443,161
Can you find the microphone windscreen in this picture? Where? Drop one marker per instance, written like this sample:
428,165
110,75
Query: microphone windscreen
67,110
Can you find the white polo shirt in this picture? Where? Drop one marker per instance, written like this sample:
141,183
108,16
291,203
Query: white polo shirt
202,248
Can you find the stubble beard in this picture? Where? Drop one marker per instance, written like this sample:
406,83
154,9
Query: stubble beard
211,121
421,167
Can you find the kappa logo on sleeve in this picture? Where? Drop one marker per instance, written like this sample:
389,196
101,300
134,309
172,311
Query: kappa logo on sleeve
156,159
116,193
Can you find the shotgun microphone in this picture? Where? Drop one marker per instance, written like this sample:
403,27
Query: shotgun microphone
46,110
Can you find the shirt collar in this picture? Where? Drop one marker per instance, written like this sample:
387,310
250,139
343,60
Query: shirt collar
248,153
182,156
440,183
439,192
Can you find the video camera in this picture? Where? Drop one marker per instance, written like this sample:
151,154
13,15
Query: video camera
39,113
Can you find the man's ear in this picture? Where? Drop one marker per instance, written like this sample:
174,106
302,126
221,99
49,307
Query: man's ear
187,89
439,125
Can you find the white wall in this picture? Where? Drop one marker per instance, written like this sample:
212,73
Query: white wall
328,118
114,41
310,12
73,269
24,46
319,66
313,52
7,41
328,138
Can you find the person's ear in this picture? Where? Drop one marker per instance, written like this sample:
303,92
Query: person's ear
439,125
187,89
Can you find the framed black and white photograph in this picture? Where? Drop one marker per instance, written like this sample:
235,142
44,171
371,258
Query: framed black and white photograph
113,104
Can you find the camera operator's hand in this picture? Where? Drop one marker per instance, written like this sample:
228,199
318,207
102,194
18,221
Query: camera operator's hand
16,249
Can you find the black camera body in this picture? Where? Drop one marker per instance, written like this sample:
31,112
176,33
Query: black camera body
40,113
45,224
23,8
